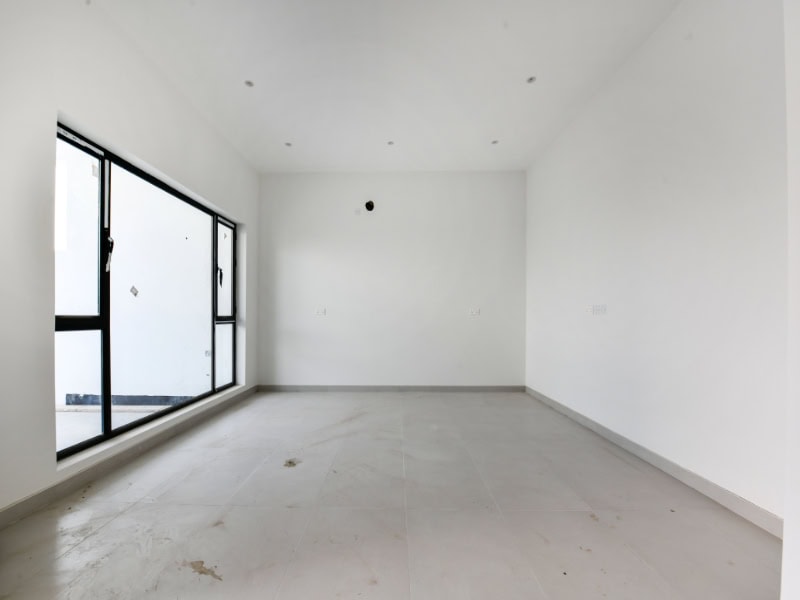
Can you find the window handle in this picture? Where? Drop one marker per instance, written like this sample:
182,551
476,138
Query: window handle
219,269
110,243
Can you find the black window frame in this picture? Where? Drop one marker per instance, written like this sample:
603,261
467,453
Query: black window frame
223,319
102,321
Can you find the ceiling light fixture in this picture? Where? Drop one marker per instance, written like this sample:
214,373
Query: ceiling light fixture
248,83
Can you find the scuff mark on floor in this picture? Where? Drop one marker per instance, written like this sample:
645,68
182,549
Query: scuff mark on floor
291,462
351,418
199,567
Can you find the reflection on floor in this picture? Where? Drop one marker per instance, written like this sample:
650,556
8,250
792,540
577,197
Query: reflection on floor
388,495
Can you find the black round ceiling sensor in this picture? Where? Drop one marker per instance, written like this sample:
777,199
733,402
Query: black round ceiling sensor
370,205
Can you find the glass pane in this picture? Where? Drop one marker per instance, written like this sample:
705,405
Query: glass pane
78,387
160,299
224,367
76,230
224,271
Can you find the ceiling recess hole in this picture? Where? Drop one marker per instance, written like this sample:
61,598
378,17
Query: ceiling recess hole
390,143
248,83
288,144
495,142
370,206
531,79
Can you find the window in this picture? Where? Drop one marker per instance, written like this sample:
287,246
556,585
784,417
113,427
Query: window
145,296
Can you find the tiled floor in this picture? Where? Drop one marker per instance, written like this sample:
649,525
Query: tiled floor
392,495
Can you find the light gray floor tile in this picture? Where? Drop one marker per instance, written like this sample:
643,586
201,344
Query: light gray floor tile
124,559
31,545
703,553
406,495
520,478
465,554
366,473
214,477
443,475
242,554
289,478
350,553
576,557
604,479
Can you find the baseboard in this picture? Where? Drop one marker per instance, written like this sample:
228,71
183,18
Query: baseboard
195,415
764,519
391,388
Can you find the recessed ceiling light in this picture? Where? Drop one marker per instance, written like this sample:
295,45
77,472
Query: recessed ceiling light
287,144
495,142
531,79
248,83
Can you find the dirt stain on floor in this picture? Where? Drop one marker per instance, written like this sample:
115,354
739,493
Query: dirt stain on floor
291,462
199,567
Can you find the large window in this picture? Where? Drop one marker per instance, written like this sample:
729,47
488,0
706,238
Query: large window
145,296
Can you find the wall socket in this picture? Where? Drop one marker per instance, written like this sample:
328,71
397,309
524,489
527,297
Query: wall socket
597,310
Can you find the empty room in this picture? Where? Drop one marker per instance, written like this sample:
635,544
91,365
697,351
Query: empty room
400,300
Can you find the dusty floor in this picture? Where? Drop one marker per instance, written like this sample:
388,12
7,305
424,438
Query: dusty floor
388,495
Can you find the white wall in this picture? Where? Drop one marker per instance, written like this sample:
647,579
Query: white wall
666,201
397,284
62,58
790,588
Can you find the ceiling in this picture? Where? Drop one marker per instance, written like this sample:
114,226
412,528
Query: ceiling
447,81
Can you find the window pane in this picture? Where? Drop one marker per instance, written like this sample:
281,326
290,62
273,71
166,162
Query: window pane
224,367
78,387
76,230
160,299
224,271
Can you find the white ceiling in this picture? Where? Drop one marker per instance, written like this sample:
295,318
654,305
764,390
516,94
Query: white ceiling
339,79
